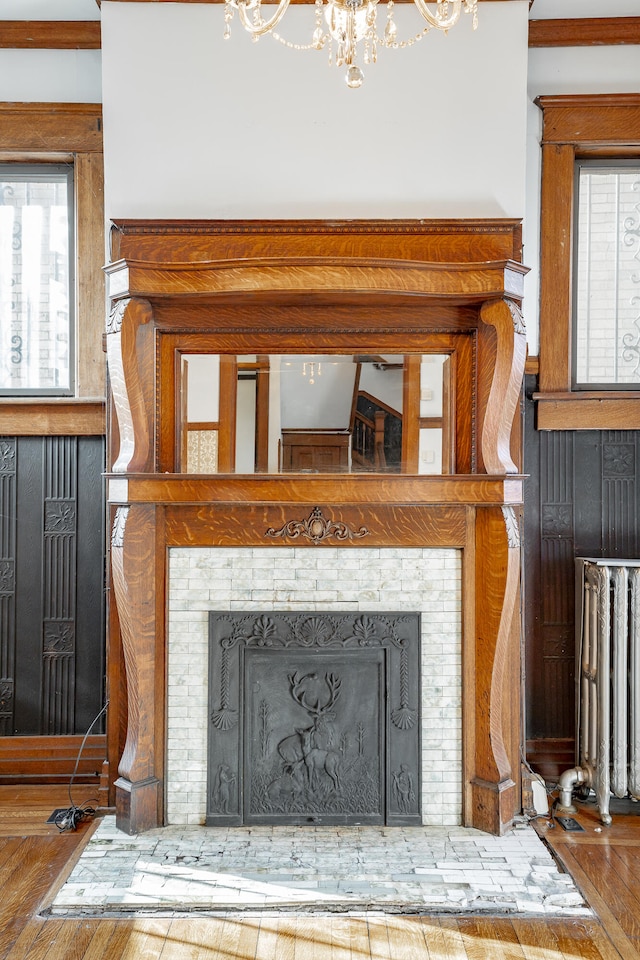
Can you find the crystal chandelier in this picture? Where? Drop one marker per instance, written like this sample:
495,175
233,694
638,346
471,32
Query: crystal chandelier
348,23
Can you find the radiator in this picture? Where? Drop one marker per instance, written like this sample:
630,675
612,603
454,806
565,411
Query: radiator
608,682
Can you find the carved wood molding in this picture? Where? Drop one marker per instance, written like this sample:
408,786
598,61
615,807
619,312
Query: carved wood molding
317,528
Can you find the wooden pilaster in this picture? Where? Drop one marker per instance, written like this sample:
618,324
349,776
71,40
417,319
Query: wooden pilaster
139,596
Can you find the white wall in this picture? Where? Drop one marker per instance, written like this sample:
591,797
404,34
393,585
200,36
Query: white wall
50,76
199,127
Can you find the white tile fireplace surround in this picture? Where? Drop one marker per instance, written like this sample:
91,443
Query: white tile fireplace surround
426,581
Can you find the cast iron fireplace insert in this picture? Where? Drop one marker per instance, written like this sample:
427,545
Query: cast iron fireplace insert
314,718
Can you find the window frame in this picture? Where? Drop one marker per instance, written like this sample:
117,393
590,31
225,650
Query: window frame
575,127
66,133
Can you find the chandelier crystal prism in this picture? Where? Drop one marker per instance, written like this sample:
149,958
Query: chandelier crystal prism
348,28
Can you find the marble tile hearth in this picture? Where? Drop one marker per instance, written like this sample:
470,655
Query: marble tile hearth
195,869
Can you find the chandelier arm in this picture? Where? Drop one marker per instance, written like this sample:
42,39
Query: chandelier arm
265,26
440,23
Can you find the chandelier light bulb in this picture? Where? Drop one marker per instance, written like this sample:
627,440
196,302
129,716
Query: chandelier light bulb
349,23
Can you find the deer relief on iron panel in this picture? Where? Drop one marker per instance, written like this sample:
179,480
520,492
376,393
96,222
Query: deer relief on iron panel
305,711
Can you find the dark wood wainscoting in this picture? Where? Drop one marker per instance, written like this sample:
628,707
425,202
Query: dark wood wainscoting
51,602
582,499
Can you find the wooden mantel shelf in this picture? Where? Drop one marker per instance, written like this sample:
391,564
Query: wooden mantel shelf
305,276
176,489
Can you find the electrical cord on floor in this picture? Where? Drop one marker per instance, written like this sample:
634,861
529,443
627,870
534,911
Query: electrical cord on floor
70,818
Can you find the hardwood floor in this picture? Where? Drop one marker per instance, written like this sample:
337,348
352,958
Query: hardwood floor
605,864
34,856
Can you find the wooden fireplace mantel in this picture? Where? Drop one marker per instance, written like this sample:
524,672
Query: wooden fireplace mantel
396,287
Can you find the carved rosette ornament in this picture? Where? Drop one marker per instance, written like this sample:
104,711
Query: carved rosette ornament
317,528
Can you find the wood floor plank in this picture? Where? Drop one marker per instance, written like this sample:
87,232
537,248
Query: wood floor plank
510,939
102,931
606,869
248,939
20,948
304,934
25,882
443,939
267,947
10,857
495,937
629,863
379,946
583,938
194,938
229,936
286,938
536,939
46,938
340,939
147,939
598,901
71,941
406,938
117,943
360,940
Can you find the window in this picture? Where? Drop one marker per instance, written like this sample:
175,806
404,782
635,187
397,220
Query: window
606,299
36,279
589,333
67,136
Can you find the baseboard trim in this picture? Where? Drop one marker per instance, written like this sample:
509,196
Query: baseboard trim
52,759
551,756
